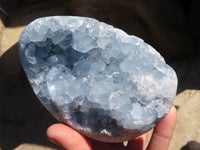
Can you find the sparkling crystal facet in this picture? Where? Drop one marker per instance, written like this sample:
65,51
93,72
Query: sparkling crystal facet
106,84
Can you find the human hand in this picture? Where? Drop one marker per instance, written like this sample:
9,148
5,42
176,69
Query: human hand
69,139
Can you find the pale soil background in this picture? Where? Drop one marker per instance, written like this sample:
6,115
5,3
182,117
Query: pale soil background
23,120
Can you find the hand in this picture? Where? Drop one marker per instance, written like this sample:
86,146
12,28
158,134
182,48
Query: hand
69,139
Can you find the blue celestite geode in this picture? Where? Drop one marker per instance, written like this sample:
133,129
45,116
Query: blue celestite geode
104,83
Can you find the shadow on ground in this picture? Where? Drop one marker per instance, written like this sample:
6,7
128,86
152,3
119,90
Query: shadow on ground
188,73
22,117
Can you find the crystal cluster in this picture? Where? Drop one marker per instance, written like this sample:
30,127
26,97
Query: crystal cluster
106,84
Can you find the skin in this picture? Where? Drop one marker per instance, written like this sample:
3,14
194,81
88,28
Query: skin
69,139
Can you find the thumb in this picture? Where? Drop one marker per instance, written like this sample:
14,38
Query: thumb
163,132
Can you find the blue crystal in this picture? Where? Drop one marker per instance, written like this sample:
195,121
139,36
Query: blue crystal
106,84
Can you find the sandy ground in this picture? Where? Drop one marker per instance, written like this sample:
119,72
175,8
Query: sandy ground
188,122
23,120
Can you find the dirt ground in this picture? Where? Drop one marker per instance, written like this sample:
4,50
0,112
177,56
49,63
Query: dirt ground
23,120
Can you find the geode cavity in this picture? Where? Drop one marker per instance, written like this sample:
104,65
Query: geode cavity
104,83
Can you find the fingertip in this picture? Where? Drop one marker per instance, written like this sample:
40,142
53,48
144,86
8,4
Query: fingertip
52,133
169,120
173,111
67,137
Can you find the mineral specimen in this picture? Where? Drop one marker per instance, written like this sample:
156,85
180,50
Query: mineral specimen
106,84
